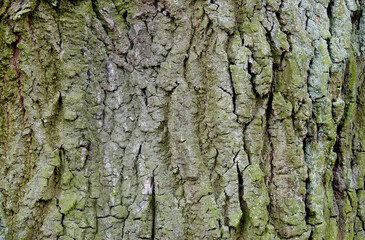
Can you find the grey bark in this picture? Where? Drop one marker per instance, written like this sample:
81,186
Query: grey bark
173,119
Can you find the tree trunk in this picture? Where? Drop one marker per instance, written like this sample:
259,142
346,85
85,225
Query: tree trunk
181,119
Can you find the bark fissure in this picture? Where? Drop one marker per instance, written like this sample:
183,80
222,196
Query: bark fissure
14,63
153,206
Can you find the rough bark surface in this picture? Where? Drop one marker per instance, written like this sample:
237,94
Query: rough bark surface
182,119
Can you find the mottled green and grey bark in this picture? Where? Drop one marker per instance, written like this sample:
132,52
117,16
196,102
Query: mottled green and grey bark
182,119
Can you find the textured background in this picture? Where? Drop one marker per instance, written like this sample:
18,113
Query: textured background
181,119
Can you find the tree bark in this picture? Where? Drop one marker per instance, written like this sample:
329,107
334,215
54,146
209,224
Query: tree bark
182,119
